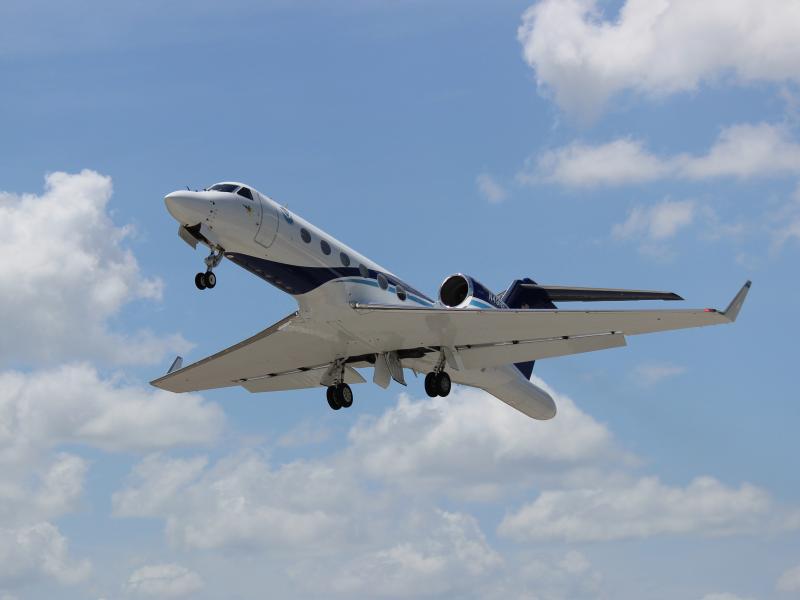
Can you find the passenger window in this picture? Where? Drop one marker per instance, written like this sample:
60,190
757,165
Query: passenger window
345,259
245,192
382,281
305,235
401,292
325,246
364,271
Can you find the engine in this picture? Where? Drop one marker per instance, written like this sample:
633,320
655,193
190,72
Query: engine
462,291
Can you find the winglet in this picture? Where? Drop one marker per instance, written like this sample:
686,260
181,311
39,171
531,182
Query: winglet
736,304
176,364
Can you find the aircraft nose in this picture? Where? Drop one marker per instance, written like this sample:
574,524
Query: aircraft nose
186,207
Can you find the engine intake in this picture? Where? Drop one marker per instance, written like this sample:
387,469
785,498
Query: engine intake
463,291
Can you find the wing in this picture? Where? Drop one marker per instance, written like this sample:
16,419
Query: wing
493,337
290,354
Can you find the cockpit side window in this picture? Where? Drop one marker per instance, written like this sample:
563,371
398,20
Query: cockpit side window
245,192
224,187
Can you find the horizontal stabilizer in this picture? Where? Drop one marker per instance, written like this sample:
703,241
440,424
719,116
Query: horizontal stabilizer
560,293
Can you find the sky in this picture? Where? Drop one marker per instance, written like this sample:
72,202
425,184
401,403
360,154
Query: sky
640,144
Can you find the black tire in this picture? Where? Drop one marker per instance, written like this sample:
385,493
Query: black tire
200,281
430,385
333,402
443,384
211,279
344,395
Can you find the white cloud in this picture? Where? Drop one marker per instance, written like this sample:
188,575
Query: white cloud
72,404
623,160
490,188
66,272
651,374
744,151
304,434
242,502
656,48
31,552
471,444
642,508
468,445
447,559
656,223
789,581
163,581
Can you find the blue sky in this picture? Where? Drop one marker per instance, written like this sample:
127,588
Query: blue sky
619,144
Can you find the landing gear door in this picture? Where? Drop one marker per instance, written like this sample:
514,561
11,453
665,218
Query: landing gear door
268,227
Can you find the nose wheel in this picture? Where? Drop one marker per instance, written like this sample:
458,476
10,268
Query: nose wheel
208,279
205,280
437,384
339,396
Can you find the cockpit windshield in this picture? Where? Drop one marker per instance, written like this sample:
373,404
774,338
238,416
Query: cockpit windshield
224,187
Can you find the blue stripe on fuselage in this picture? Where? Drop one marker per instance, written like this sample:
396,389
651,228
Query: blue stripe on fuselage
297,279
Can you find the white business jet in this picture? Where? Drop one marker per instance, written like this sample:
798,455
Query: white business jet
353,313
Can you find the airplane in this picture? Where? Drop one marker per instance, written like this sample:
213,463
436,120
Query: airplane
353,314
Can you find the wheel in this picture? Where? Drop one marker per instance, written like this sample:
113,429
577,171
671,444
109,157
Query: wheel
443,384
430,385
211,279
333,402
344,395
200,281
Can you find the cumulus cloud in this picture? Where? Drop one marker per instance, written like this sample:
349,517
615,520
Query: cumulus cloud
491,189
789,581
66,273
163,581
656,223
242,502
447,559
31,552
643,508
73,404
651,374
473,445
656,48
744,151
468,445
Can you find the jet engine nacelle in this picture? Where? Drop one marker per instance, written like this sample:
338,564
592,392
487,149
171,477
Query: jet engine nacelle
463,291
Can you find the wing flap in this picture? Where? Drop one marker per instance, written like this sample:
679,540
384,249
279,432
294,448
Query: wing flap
494,355
296,380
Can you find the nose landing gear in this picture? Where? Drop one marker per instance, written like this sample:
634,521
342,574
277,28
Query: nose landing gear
205,280
208,279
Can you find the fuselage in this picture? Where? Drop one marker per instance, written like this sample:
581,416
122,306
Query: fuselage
325,276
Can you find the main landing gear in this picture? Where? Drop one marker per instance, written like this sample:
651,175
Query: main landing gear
208,279
437,384
340,396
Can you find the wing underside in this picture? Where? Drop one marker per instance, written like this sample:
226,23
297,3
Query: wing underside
295,353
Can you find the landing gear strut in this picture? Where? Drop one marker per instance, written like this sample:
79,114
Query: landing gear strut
339,396
208,279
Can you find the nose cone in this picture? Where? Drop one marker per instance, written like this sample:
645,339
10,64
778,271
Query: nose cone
188,208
